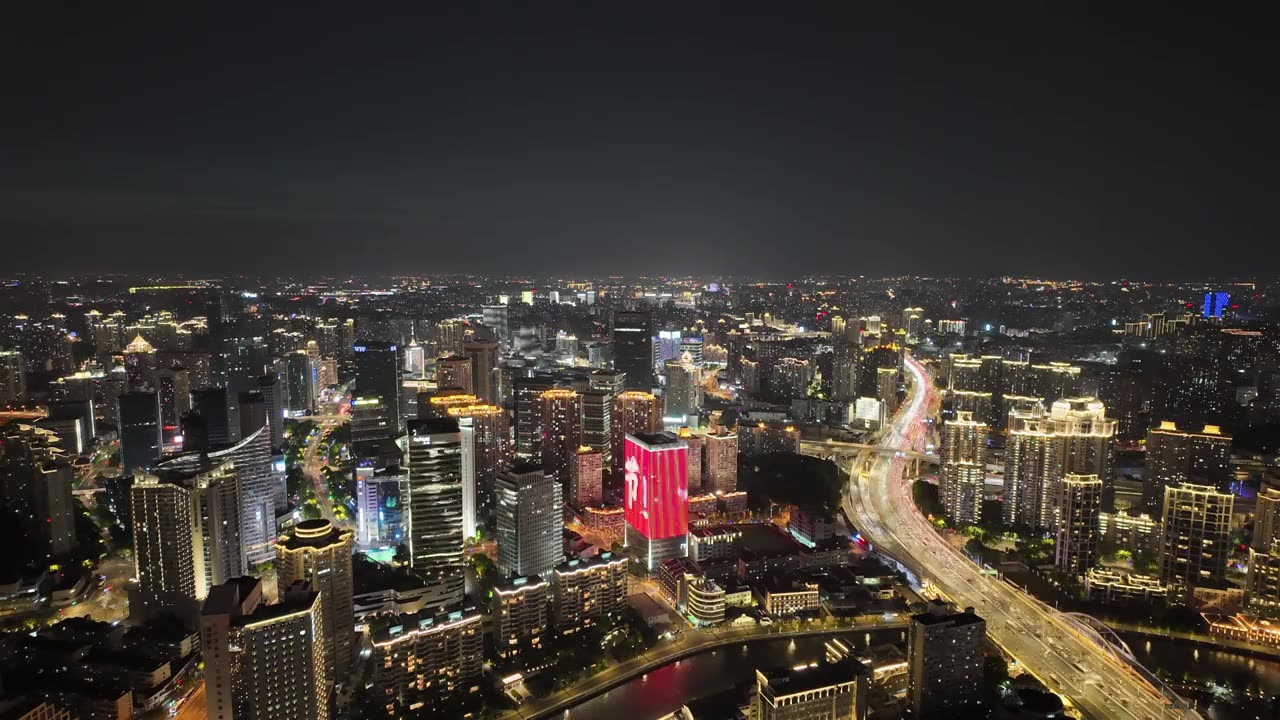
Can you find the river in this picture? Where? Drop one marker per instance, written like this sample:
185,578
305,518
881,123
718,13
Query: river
664,690
1246,683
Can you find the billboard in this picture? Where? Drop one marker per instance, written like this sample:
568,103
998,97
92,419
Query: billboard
656,501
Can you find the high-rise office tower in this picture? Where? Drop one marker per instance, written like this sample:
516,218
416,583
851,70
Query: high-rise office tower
560,420
300,382
211,405
165,546
1195,538
264,661
140,365
1266,519
633,348
720,453
684,390
530,518
846,371
817,691
450,335
454,372
586,477
1079,505
435,537
140,430
528,401
173,384
489,437
273,398
378,374
610,381
944,663
634,412
373,437
319,554
253,414
415,358
495,317
486,380
656,496
13,378
35,494
1030,468
597,422
1175,456
913,323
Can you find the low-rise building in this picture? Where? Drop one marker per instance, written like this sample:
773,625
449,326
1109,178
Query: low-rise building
817,690
781,598
1245,628
587,591
606,521
714,542
520,615
423,658
1109,586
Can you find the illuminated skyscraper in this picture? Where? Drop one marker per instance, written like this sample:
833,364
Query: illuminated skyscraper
378,374
450,335
633,348
1175,456
1079,505
486,380
586,475
963,468
945,663
1266,519
530,518
560,420
827,690
720,455
317,553
683,397
1030,467
791,377
597,422
140,430
13,378
656,496
435,532
913,323
1195,539
264,661
454,372
634,412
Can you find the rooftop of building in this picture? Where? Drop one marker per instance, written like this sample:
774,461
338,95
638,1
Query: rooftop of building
940,613
369,577
387,628
316,533
706,531
598,560
815,675
516,584
658,439
433,426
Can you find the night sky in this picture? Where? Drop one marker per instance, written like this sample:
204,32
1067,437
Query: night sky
549,137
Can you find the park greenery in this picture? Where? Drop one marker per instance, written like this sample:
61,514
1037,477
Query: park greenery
808,483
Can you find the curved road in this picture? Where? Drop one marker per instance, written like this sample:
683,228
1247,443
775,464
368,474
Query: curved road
880,505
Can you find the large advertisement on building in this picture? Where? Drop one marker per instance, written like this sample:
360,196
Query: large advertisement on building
656,488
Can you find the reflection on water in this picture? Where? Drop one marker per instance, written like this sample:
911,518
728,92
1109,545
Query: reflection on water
664,690
1242,685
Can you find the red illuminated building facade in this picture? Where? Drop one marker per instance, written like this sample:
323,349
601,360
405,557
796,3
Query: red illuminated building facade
655,496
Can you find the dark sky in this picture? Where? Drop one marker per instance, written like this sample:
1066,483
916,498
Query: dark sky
1092,141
